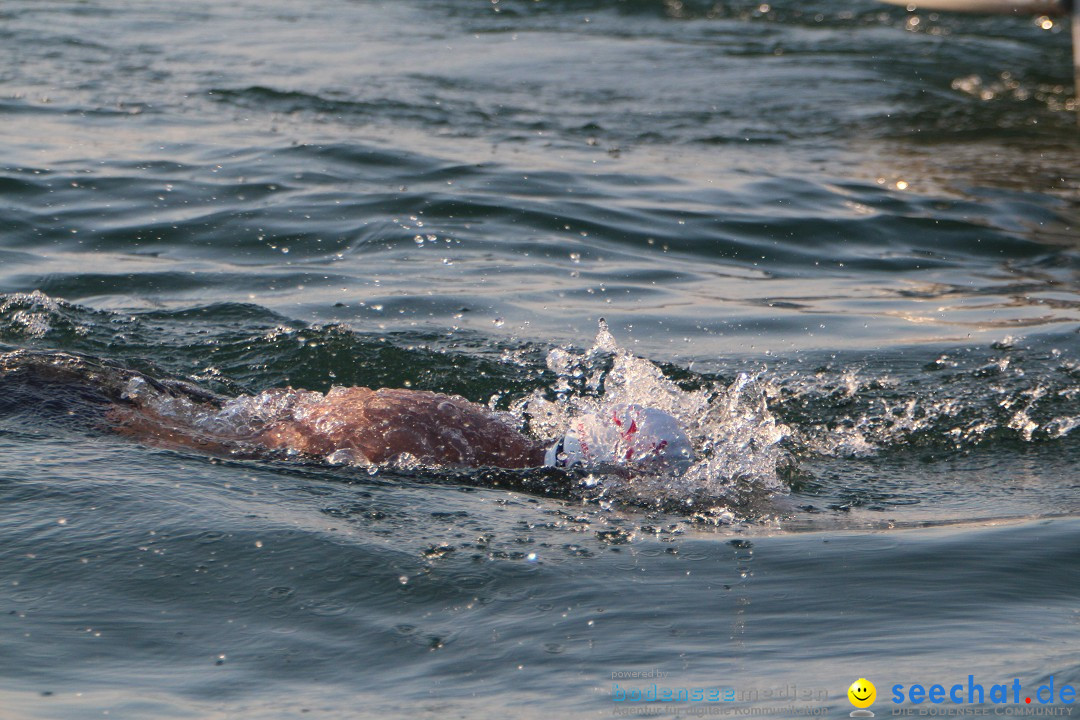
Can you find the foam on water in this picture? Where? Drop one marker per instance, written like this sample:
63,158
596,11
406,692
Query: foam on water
29,313
956,403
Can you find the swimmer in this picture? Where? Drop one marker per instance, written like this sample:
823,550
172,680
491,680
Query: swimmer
357,425
364,426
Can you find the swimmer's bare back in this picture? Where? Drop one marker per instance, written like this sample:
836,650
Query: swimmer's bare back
357,423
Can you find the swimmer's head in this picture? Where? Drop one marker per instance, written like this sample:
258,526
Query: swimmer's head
622,435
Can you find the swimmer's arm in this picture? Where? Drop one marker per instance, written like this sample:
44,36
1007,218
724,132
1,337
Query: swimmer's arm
152,429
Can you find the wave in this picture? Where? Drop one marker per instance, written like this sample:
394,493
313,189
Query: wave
757,432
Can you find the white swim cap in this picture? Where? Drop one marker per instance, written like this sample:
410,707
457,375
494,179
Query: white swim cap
622,435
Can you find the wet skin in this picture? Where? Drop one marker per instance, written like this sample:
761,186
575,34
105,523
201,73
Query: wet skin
366,425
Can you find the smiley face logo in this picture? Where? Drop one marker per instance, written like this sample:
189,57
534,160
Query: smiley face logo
862,693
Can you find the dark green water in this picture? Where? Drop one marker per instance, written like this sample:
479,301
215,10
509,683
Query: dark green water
852,228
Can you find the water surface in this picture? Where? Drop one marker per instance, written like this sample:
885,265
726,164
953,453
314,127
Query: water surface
853,227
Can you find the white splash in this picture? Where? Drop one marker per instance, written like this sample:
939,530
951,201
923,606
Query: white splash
30,313
736,439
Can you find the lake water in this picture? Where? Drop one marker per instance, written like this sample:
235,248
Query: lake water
840,237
